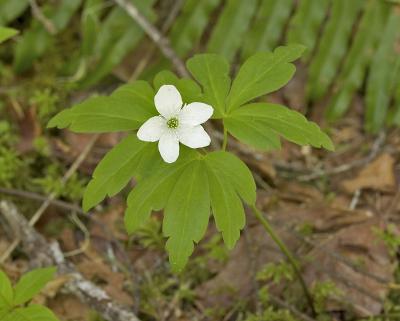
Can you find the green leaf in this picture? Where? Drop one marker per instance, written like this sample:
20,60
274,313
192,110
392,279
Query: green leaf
118,35
153,192
125,109
212,72
306,22
396,115
190,24
253,133
6,291
6,33
395,112
285,122
188,88
33,312
235,172
268,27
362,49
10,10
90,26
229,179
125,160
231,27
178,187
227,209
31,283
34,42
384,68
186,214
332,47
263,73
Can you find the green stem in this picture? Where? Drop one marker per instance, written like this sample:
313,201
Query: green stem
267,226
225,142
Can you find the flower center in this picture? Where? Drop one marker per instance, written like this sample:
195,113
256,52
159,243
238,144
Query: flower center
173,123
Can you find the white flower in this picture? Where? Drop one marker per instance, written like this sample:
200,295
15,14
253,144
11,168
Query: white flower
176,124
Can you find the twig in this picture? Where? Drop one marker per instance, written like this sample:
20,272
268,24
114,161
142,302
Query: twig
38,197
86,242
355,200
52,196
127,267
291,308
38,14
346,167
43,254
155,35
164,28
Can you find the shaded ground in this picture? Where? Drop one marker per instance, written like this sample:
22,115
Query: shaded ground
339,212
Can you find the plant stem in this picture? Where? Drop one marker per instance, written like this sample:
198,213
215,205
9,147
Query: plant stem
225,142
267,226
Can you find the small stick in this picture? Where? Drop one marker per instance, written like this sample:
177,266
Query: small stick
38,14
52,196
291,308
376,147
155,35
44,254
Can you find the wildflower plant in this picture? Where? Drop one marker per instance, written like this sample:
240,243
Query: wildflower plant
15,302
187,181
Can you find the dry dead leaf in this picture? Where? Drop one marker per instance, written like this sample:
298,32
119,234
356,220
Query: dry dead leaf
69,308
377,175
350,235
359,245
97,270
29,128
51,289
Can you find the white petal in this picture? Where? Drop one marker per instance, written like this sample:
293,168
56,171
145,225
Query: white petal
195,114
152,129
194,137
168,101
169,146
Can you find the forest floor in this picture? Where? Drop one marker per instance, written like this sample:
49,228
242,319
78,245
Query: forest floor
339,212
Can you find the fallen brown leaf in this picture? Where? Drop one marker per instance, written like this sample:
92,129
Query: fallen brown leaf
337,231
377,175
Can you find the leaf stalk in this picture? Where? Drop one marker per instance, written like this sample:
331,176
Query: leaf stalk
270,230
225,142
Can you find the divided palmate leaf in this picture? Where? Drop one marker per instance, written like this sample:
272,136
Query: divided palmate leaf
131,157
249,122
186,214
31,283
153,192
6,291
235,173
125,109
212,72
263,73
187,189
229,180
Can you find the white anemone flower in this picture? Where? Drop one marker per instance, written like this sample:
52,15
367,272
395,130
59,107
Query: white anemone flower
176,124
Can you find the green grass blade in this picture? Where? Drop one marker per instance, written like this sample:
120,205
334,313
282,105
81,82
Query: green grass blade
228,33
